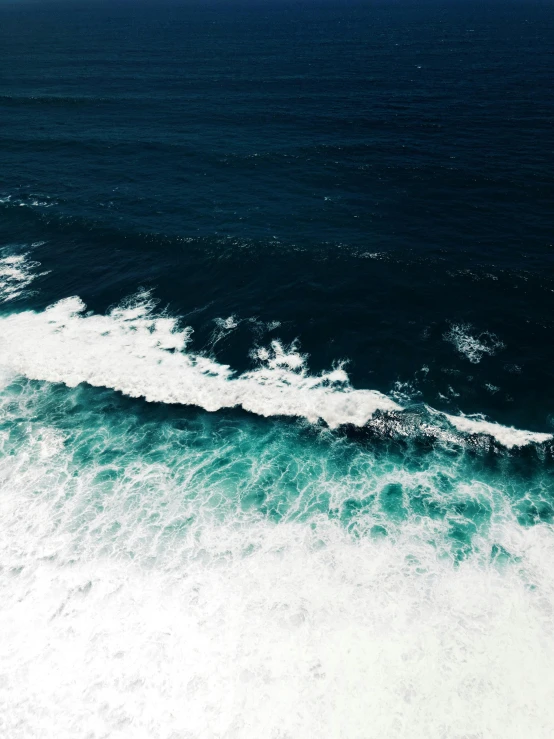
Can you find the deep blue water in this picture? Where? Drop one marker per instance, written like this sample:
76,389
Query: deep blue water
365,174
370,186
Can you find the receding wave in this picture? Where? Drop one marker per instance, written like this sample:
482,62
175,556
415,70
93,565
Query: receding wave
16,274
473,346
150,563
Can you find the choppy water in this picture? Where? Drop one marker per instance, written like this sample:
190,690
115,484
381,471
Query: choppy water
276,407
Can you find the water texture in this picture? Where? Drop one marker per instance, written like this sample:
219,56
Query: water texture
276,370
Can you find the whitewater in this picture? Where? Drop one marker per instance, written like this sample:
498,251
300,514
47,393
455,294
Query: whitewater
143,354
169,574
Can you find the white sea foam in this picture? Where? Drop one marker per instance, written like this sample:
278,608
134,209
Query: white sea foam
142,353
16,274
226,324
507,436
289,630
135,351
141,599
223,327
29,201
472,346
300,639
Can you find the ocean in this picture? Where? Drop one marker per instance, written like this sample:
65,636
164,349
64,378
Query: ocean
276,370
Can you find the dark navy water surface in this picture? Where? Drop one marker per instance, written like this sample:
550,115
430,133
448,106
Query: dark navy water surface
369,175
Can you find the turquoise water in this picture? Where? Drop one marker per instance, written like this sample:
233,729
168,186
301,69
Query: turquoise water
112,473
166,571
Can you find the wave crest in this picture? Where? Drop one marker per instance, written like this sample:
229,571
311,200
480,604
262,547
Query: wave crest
145,354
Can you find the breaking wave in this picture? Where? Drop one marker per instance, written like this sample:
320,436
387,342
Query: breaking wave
143,353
